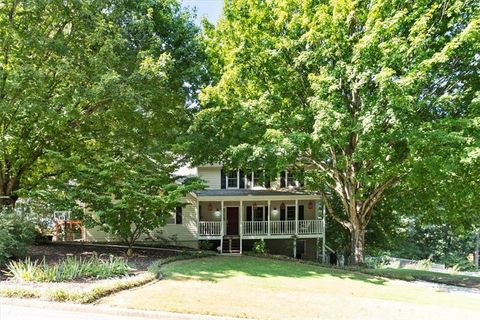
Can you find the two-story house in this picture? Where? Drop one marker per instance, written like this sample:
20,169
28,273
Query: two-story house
237,209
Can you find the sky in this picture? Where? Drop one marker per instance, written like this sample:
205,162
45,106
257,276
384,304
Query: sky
211,9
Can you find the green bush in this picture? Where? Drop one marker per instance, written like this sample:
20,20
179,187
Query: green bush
205,245
69,269
16,233
260,247
378,262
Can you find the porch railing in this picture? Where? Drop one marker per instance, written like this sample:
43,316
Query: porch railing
255,227
209,228
252,228
282,227
309,226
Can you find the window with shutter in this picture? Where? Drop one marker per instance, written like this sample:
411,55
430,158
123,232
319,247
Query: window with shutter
179,215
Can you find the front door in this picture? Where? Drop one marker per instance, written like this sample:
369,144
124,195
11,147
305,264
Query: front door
232,221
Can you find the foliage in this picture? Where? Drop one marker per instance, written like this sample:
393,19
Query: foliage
16,233
88,296
369,96
423,275
260,246
68,269
378,262
205,245
94,105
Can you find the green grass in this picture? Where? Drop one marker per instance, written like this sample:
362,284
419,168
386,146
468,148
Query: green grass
272,289
437,277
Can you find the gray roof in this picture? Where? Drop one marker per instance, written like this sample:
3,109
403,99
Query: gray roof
247,192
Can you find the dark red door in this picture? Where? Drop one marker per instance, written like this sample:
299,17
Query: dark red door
232,221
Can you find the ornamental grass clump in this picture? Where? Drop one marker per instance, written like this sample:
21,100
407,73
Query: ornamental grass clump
68,269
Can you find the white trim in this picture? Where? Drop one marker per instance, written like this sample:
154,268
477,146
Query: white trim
227,178
268,216
252,179
286,211
260,197
240,225
174,219
263,214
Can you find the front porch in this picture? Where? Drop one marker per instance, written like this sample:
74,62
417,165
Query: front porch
273,215
263,229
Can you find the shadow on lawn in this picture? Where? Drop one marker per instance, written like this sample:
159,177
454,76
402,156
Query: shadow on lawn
217,268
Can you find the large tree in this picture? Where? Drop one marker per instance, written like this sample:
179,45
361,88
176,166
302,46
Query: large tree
74,74
362,93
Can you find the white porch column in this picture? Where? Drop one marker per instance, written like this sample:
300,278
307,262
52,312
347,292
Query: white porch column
198,217
221,228
324,258
268,217
241,225
223,219
296,218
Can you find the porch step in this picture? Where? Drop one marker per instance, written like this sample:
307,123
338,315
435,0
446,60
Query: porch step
231,244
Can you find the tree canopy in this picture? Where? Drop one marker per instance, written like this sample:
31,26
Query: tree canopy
95,101
368,95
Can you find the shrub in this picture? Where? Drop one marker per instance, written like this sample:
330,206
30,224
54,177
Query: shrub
69,269
424,264
260,247
16,233
378,262
205,245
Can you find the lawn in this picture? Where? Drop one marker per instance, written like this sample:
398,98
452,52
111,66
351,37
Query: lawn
438,277
269,289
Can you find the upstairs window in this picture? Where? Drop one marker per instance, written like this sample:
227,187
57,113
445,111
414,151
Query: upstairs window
238,179
233,178
256,180
288,180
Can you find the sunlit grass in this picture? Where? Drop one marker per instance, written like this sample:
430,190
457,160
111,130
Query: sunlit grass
270,289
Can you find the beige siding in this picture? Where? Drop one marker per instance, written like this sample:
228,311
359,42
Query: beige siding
97,235
188,230
185,233
211,175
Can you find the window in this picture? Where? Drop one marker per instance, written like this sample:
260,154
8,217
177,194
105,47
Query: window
259,214
256,180
287,179
233,178
290,179
176,217
290,212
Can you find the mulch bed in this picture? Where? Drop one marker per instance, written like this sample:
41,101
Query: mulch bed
55,252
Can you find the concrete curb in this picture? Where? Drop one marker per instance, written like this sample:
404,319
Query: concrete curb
107,310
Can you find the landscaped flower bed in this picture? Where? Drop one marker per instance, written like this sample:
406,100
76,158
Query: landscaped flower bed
78,273
68,269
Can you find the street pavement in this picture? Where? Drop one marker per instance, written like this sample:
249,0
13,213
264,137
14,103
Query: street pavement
28,309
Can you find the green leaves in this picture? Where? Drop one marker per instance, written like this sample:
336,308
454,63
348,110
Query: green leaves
360,93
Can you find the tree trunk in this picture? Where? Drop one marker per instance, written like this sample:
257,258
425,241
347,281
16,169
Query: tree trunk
7,200
357,238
